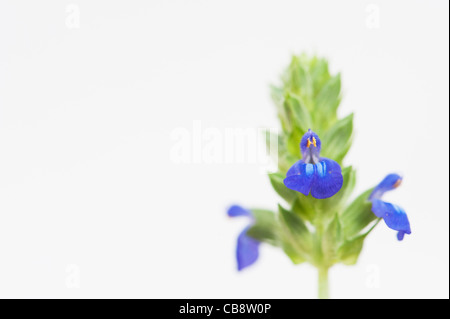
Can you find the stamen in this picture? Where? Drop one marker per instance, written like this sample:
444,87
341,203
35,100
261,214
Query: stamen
308,143
397,183
314,142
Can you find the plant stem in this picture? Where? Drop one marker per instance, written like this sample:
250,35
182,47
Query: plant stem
323,283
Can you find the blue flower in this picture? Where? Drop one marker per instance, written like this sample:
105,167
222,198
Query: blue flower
393,215
247,249
320,176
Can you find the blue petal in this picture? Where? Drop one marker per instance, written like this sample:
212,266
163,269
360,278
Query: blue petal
310,152
328,179
299,177
394,216
237,210
247,250
390,182
400,235
378,208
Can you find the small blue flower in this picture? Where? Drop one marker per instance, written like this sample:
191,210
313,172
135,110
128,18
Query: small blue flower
393,215
319,175
247,249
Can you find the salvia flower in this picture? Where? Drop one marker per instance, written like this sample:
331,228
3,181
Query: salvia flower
247,249
393,215
320,176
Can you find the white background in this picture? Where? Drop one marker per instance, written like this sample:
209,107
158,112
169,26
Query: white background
93,205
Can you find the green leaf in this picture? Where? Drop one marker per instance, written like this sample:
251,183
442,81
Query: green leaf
283,157
292,253
349,251
337,140
265,227
277,95
298,113
319,73
341,197
296,120
293,143
295,235
303,207
358,215
297,78
328,98
276,179
332,239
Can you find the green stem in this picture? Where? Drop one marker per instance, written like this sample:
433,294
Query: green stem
323,283
374,225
